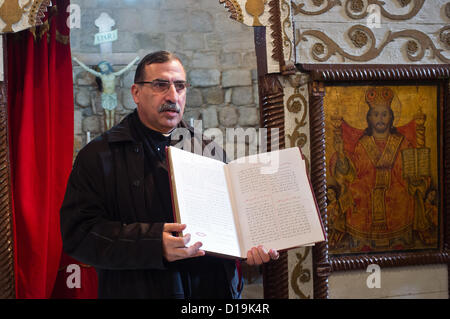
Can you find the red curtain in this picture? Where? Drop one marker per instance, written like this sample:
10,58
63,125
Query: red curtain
41,127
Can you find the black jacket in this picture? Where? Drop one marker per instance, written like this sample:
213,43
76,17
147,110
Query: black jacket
104,223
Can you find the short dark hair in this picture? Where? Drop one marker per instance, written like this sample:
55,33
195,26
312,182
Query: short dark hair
155,57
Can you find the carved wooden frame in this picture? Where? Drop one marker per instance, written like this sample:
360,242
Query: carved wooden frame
323,75
7,279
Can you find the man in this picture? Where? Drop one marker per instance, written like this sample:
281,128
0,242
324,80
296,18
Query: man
117,212
379,209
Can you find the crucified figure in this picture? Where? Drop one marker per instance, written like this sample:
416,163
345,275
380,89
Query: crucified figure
108,86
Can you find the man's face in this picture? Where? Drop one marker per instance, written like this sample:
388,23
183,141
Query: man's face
152,106
380,118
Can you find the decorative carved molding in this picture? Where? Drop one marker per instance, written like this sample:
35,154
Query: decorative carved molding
287,41
318,180
272,111
275,273
275,31
298,8
7,282
11,12
339,72
298,105
350,263
362,35
234,8
357,9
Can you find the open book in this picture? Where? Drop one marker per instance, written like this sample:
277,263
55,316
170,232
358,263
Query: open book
264,199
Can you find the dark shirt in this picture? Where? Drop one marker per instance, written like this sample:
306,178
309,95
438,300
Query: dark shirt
116,204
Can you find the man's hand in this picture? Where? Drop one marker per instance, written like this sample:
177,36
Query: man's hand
174,248
259,255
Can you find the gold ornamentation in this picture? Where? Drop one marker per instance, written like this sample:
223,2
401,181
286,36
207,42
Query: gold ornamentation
256,9
423,41
37,11
234,8
298,8
11,12
300,274
63,39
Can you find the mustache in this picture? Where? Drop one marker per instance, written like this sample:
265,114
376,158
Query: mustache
172,107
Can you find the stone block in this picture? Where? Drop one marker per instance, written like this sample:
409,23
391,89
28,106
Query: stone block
86,78
194,98
214,95
224,25
127,78
213,42
78,117
204,60
191,115
193,41
129,19
256,94
127,99
209,117
204,78
248,116
150,41
82,97
126,42
150,20
173,20
175,4
201,21
230,60
232,78
91,124
242,95
228,116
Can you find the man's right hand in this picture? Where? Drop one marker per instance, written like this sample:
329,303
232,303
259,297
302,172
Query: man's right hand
174,248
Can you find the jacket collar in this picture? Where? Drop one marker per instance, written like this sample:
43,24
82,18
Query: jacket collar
122,132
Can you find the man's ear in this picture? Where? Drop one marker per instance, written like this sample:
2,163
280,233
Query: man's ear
135,92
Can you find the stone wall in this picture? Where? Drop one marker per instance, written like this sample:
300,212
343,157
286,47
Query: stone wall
217,52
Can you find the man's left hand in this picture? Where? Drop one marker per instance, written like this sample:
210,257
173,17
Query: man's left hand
259,255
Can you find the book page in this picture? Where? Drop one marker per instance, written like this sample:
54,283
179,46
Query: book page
276,209
203,201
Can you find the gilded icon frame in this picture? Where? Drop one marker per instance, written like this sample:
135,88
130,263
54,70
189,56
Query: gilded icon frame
323,76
